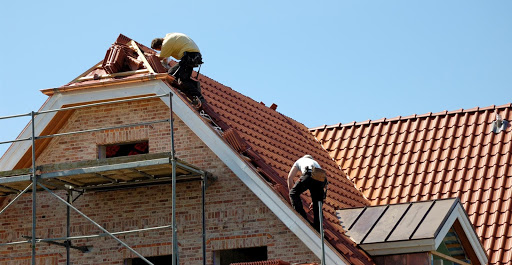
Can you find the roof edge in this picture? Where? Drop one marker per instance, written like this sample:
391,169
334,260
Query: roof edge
399,247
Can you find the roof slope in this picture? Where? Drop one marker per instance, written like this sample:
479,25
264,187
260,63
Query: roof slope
271,139
434,156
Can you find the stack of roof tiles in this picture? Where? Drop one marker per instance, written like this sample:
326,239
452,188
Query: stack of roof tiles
434,156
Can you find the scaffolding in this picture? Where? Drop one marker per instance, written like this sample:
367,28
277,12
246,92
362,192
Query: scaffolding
99,175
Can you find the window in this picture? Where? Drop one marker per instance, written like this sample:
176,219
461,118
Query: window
226,257
126,149
158,260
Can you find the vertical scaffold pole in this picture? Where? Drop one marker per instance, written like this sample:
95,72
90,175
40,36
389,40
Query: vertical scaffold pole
175,251
321,217
34,189
203,191
68,229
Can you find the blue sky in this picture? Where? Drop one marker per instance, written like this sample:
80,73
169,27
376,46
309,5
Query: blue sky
321,62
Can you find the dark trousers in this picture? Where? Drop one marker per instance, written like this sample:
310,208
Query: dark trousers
183,72
316,188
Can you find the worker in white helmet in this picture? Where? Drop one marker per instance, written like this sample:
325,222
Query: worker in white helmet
309,180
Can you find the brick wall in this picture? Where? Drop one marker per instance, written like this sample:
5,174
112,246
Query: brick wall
236,218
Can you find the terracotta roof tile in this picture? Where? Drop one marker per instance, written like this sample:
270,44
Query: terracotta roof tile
434,156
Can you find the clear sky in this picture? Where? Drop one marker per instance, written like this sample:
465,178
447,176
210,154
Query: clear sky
321,62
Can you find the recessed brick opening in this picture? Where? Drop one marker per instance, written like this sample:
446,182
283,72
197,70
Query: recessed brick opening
228,256
125,149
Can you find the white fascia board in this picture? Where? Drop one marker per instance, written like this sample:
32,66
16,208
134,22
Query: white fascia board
459,214
209,136
399,247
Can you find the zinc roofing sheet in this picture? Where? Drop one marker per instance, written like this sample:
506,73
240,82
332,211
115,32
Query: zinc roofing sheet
397,222
434,156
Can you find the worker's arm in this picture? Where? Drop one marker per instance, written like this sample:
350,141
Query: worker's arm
291,175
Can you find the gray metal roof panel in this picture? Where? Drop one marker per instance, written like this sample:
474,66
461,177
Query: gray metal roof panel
386,224
410,222
363,225
434,219
348,217
399,222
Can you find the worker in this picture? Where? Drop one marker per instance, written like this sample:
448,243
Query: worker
183,48
305,166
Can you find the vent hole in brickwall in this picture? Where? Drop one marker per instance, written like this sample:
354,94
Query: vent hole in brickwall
156,260
229,256
125,149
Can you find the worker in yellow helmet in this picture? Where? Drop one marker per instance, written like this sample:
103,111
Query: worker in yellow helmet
183,48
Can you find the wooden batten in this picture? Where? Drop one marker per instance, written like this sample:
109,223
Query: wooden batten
127,80
134,45
89,78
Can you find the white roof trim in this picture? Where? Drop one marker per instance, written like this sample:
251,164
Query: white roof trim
400,247
246,173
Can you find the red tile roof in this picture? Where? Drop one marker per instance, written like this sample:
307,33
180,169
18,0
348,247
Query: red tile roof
434,156
270,140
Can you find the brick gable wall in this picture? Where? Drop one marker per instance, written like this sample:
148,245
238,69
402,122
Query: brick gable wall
236,218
